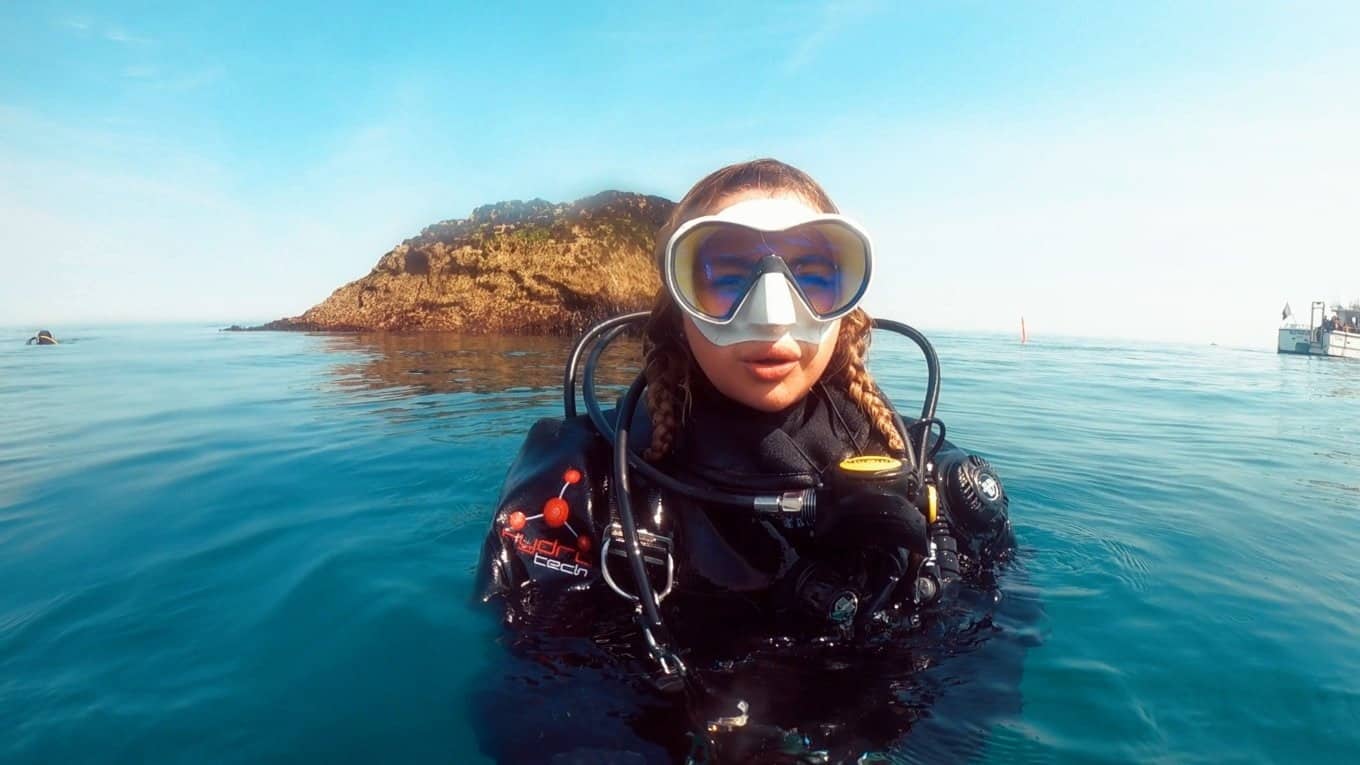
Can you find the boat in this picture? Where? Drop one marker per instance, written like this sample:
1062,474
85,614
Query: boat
1337,335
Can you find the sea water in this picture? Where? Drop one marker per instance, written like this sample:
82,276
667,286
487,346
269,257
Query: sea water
259,547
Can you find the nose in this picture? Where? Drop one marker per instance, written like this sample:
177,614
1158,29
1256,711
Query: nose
771,303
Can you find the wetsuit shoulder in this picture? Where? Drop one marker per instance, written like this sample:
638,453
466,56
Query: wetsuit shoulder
545,527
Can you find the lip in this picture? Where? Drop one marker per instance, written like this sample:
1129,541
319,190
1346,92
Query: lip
772,363
772,353
770,370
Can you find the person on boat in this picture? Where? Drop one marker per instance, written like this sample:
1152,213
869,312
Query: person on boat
756,382
42,338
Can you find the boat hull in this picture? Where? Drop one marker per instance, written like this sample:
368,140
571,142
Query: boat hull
1309,343
1345,345
1295,340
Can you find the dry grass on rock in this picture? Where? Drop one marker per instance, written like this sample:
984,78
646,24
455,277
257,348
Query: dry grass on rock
510,268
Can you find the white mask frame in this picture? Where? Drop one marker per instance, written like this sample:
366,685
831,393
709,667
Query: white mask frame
772,306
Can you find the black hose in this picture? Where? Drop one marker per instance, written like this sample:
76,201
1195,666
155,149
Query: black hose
614,327
646,595
635,461
929,425
908,450
932,398
609,330
569,375
650,472
588,382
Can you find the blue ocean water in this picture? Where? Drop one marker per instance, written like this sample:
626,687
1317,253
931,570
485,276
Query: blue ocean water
258,547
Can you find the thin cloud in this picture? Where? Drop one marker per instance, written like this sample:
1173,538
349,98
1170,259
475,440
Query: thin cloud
80,25
833,18
84,26
123,37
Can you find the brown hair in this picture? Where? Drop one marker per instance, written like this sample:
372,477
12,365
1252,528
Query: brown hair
668,363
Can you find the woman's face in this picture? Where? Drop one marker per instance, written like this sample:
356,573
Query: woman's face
765,375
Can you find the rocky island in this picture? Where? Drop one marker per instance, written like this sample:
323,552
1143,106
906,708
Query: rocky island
510,268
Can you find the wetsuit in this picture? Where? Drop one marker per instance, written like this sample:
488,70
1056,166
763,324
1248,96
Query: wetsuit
735,572
718,551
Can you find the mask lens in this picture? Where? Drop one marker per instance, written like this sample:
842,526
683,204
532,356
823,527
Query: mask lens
815,264
715,264
724,267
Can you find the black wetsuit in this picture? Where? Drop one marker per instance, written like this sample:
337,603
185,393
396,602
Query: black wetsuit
732,567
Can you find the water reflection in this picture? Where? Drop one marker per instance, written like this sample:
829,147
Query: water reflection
1327,377
444,362
1345,391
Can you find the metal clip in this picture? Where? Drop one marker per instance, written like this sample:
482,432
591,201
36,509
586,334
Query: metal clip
652,543
725,724
669,661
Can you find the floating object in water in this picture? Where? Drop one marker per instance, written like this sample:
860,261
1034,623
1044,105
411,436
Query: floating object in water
43,337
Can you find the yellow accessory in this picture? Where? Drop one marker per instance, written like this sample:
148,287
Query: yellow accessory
870,464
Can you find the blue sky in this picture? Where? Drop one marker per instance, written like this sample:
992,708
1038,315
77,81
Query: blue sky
1150,170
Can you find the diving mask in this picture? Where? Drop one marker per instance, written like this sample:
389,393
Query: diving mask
767,267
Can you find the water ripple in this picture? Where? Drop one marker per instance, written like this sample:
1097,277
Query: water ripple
259,547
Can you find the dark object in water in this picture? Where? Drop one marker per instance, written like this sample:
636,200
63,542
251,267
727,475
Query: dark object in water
43,337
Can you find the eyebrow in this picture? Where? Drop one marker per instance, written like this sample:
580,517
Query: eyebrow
813,256
723,259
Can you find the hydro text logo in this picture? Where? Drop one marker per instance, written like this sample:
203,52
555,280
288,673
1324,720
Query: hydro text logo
550,553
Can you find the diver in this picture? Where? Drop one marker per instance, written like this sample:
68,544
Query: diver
754,484
42,338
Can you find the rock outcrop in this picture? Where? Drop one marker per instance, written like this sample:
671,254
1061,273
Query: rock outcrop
512,267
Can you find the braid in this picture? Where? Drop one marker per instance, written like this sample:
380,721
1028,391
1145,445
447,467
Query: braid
667,364
847,363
